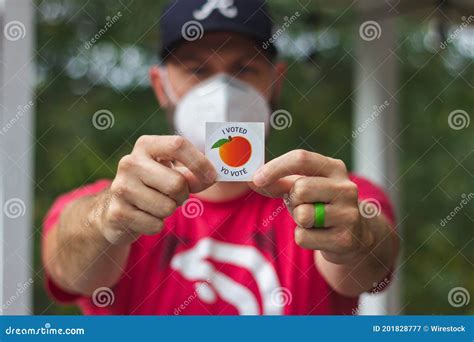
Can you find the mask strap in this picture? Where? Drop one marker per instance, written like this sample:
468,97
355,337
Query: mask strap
167,85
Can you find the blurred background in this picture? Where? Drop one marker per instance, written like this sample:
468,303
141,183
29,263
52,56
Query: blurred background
93,56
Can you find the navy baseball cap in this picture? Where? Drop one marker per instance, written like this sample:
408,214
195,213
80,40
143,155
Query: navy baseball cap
189,20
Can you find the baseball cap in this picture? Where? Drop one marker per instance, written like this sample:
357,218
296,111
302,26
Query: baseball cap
189,20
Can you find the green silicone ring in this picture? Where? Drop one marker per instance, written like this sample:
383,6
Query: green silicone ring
319,215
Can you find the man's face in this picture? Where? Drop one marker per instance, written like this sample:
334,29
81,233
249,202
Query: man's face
234,54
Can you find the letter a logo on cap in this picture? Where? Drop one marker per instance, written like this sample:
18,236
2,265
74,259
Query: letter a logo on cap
225,7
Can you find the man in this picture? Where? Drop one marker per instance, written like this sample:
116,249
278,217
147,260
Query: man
163,237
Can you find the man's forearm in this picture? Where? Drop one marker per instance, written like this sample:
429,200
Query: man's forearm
370,267
77,256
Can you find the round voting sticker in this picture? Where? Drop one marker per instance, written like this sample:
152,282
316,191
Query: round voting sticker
235,148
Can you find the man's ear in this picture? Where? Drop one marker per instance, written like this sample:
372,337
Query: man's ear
157,85
280,68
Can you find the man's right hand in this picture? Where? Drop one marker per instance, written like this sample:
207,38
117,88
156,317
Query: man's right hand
148,187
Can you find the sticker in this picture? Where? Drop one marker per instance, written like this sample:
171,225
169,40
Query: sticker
236,149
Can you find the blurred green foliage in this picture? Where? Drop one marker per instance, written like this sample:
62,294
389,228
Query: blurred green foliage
437,162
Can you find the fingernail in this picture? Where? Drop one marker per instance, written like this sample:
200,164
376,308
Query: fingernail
210,176
259,178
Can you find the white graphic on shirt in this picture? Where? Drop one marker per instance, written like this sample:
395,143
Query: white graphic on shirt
192,264
225,7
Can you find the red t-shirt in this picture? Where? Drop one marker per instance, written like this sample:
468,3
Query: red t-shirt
220,258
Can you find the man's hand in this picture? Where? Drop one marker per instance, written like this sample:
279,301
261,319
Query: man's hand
148,187
319,179
81,254
348,239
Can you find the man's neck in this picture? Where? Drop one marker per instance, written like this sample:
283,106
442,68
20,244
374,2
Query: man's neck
224,191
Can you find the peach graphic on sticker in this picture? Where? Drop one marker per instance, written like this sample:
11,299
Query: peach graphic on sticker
236,149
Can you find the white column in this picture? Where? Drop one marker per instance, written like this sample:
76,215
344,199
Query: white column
16,156
375,125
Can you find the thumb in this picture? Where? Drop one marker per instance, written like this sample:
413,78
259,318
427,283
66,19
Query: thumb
277,189
195,185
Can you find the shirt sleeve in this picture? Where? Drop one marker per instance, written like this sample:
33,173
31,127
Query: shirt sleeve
49,223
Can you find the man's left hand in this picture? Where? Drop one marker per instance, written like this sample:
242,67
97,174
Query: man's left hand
305,178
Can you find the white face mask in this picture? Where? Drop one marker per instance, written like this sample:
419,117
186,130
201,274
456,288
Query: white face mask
221,98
